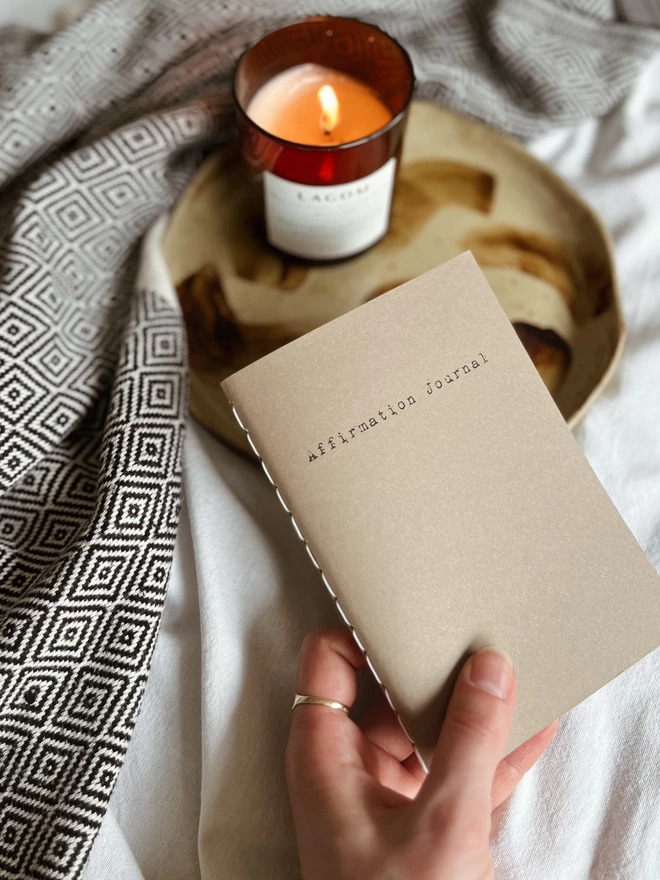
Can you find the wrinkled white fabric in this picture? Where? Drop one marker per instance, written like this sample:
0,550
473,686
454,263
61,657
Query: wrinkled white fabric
202,790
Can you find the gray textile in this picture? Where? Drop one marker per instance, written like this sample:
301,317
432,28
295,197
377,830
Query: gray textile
100,128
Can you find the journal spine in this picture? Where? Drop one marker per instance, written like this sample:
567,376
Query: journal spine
358,642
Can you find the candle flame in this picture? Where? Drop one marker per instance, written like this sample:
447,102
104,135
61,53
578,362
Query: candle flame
329,108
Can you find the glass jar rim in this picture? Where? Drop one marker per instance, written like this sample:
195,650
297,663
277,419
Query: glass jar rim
392,123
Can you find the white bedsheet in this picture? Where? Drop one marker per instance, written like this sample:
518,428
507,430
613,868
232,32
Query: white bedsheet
202,791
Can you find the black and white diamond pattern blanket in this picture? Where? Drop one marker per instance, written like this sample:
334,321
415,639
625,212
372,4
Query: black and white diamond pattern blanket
101,126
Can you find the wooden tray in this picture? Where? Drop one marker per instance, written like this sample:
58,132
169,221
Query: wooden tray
461,186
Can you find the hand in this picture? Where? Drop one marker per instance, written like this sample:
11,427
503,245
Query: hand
363,807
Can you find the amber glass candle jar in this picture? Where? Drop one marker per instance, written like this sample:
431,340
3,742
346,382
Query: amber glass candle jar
330,199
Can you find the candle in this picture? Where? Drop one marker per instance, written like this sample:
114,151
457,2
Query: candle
318,106
322,107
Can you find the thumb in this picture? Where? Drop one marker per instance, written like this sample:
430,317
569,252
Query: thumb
473,736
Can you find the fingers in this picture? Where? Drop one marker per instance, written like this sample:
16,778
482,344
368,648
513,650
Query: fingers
511,769
473,736
323,748
413,766
324,743
380,725
329,660
320,736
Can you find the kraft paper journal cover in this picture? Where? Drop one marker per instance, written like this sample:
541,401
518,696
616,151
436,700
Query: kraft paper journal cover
447,504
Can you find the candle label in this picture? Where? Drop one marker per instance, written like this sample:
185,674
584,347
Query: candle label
328,222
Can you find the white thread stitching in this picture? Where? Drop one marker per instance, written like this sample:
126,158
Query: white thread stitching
329,588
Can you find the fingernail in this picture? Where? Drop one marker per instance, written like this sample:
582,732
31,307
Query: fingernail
492,671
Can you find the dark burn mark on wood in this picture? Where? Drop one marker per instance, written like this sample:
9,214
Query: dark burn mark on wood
583,283
424,187
216,338
550,354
